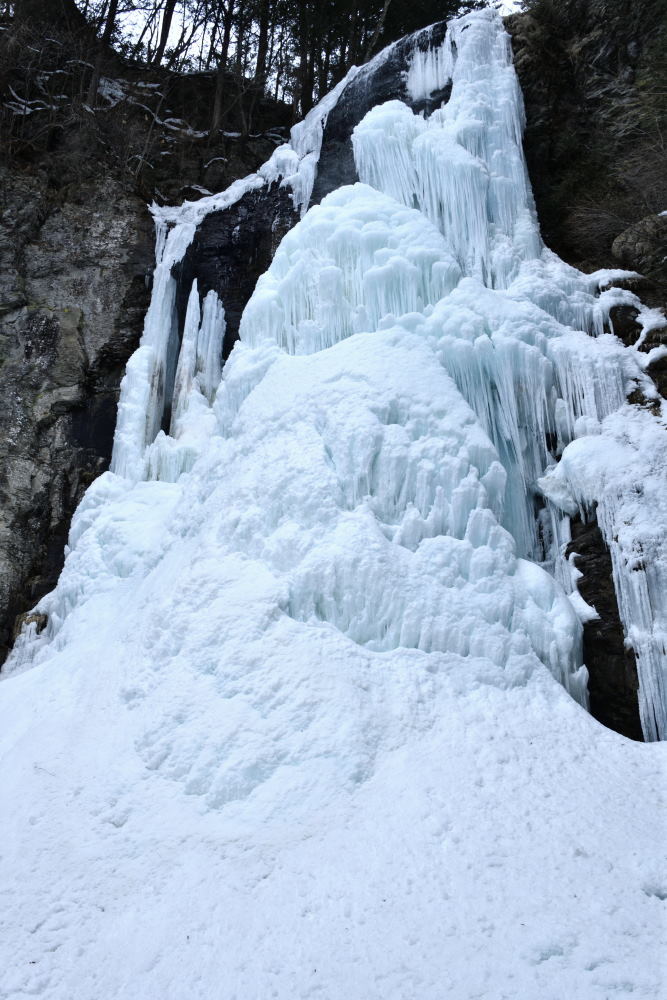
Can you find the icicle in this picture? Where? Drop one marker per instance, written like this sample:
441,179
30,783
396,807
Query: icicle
187,361
430,70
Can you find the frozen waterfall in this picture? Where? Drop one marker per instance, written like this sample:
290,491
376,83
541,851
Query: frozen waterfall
437,254
308,718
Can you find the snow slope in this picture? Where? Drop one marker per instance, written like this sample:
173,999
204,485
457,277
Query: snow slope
307,720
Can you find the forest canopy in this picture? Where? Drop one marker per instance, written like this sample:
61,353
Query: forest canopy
294,49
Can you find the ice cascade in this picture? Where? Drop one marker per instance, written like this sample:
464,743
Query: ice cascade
415,378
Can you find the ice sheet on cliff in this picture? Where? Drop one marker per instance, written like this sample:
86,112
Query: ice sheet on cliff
299,725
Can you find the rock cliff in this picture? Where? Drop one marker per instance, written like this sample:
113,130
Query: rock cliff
595,91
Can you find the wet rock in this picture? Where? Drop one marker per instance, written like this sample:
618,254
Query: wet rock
643,247
612,667
72,302
382,80
231,249
623,320
658,370
40,621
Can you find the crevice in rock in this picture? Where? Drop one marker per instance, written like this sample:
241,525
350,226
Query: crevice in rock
613,683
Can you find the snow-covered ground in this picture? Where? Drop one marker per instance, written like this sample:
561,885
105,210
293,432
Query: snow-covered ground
308,717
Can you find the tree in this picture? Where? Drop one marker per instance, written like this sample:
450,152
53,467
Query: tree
295,49
167,17
378,29
105,41
63,13
227,15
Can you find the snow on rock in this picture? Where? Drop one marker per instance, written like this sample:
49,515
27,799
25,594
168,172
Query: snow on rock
304,721
298,172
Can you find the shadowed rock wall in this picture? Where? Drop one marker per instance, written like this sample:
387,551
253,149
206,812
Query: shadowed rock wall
73,291
594,80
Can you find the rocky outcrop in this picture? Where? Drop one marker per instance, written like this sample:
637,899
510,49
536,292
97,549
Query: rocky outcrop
642,247
73,292
594,84
248,232
384,79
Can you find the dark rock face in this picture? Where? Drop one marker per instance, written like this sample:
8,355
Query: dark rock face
73,292
382,80
231,249
594,84
643,247
612,667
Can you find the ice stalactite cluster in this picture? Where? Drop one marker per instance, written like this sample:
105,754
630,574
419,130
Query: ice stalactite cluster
535,384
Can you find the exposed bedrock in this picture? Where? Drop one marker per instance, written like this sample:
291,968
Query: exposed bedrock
612,667
595,91
231,249
73,292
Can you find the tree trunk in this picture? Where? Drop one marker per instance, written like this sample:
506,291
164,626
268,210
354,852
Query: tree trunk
305,95
169,7
144,31
378,30
262,43
103,45
240,32
222,69
211,48
323,78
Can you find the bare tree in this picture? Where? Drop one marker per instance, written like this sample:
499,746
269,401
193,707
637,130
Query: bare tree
378,30
105,41
229,11
167,17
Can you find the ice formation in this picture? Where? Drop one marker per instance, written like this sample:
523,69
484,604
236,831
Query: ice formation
304,686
